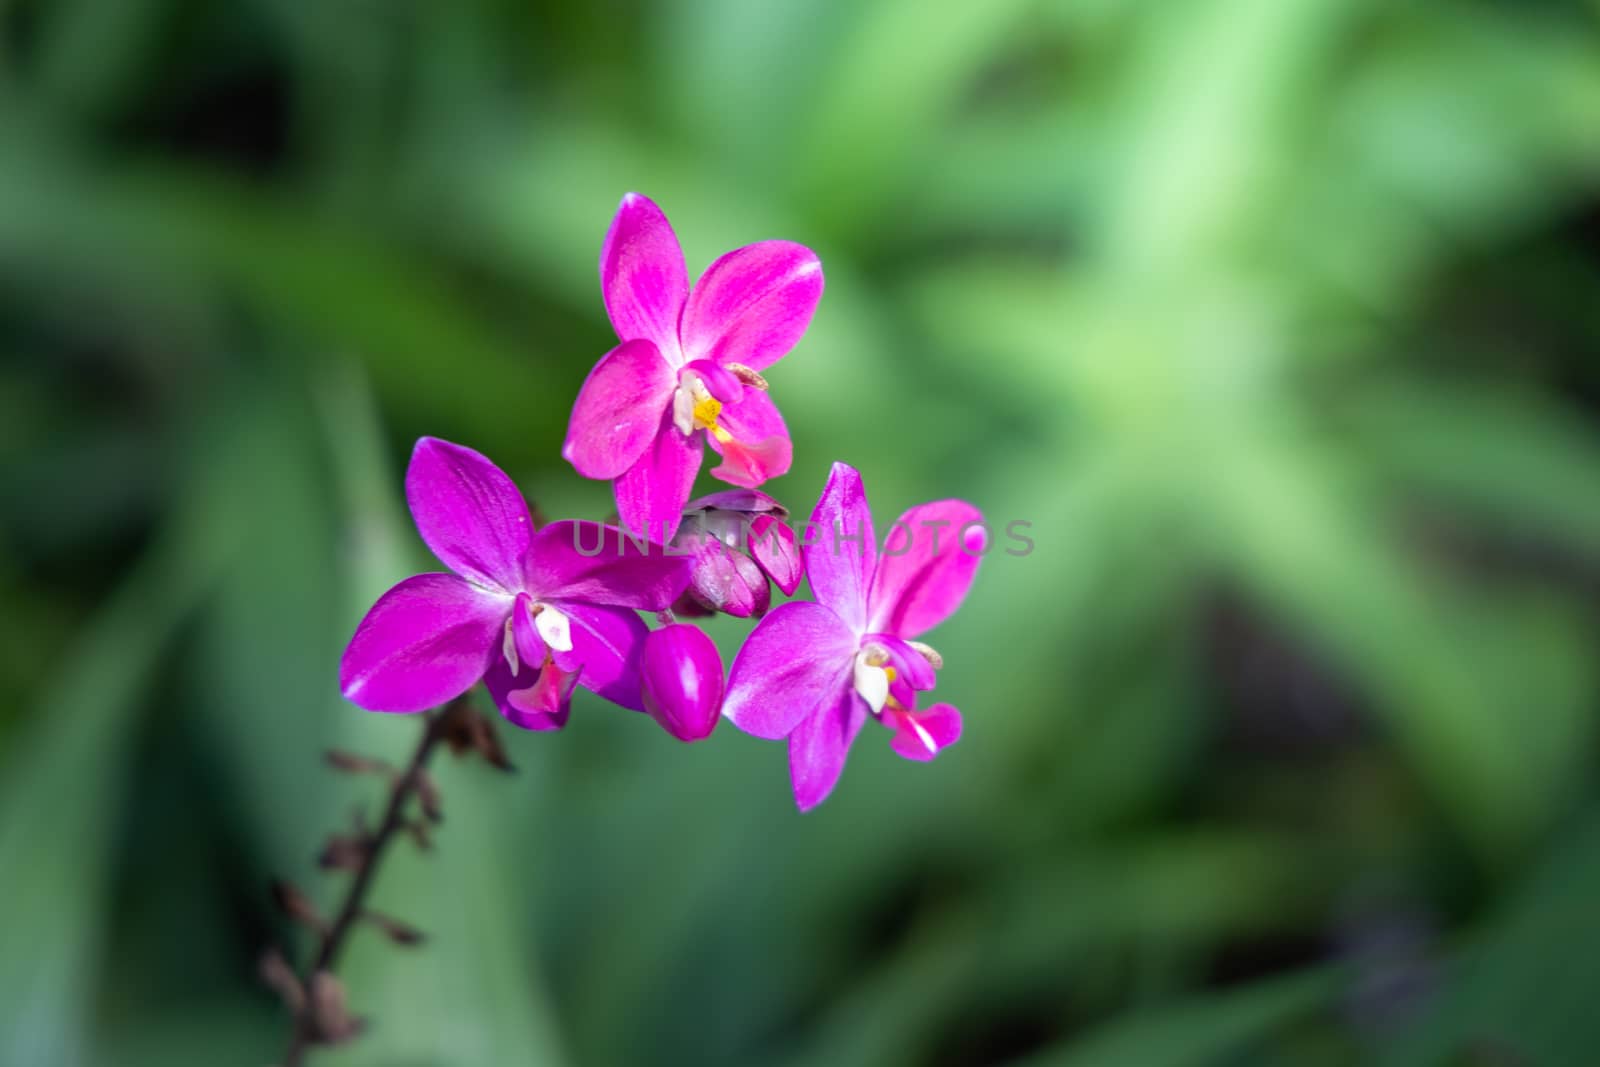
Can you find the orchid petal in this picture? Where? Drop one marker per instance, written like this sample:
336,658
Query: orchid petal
750,500
538,697
772,543
469,513
728,581
618,411
682,674
758,445
598,564
753,304
922,735
929,560
642,277
425,641
605,644
819,745
758,590
797,659
651,493
719,381
839,549
527,643
910,665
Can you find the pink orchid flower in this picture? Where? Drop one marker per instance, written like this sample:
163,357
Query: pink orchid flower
688,366
816,672
531,612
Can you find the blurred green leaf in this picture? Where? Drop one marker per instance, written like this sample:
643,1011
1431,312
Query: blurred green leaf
1212,1029
65,776
1519,989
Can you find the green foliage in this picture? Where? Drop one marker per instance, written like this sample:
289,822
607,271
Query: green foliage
1274,318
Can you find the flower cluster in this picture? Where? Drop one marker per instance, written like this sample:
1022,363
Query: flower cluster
534,613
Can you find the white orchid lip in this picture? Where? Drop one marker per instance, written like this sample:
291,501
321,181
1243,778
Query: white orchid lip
554,627
873,675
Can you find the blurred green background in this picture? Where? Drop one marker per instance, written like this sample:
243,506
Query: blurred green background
1276,318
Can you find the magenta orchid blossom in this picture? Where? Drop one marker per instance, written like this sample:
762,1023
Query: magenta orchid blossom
815,672
688,366
534,613
531,612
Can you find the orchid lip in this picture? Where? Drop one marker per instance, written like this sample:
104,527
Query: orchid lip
553,626
922,734
872,675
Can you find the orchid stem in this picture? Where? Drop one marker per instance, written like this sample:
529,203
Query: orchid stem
403,788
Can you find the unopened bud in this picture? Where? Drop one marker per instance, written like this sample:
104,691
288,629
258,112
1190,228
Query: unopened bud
466,730
351,763
280,978
331,1020
418,829
428,795
395,930
344,852
682,681
296,905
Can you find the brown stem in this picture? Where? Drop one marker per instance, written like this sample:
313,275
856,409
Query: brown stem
331,943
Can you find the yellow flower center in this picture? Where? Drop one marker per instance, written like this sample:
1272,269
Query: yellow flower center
706,410
694,408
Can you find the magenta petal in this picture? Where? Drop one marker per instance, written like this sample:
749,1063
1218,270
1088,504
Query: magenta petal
652,493
527,645
753,501
911,666
642,277
727,581
599,564
752,305
839,549
799,657
773,544
718,380
426,641
819,745
469,513
618,411
537,697
756,585
922,735
682,674
605,644
759,446
929,559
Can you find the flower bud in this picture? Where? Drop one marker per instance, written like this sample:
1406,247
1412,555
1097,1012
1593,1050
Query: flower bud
682,681
739,539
